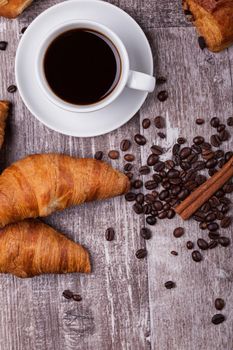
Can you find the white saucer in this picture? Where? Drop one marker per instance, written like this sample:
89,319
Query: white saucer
82,124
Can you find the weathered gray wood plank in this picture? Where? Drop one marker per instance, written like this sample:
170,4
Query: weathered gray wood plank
114,312
199,85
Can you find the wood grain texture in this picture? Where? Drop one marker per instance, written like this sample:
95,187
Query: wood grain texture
199,85
125,305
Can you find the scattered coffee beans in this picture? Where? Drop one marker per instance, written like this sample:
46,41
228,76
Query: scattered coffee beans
109,234
162,95
145,233
159,122
141,253
169,284
178,232
98,155
219,303
146,123
67,294
196,255
3,45
77,297
12,89
218,318
125,145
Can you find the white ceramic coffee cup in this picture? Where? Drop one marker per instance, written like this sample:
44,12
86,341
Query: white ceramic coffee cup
128,78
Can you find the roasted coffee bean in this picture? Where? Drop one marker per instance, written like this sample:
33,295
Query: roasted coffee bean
149,198
146,123
189,245
213,226
166,184
224,135
228,155
151,185
211,163
228,188
67,294
185,152
156,150
137,184
23,30
161,135
98,155
215,140
155,193
129,175
202,244
183,194
171,213
157,205
206,145
162,214
221,128
163,194
219,153
173,252
3,45
214,202
157,178
140,198
230,121
141,253
210,217
185,165
130,196
211,172
151,220
203,225
225,201
218,318
166,206
199,165
128,167
138,208
152,159
219,303
175,149
145,233
200,179
197,149
221,163
201,42
220,193
173,173
140,139
191,185
161,80
198,140
77,297
12,89
159,122
146,209
199,121
175,190
162,95
224,241
109,234
214,122
163,174
213,235
192,158
169,164
181,140
205,207
226,222
113,154
219,215
178,232
207,154
159,166
125,145
225,208
213,244
196,255
169,284
129,157
144,170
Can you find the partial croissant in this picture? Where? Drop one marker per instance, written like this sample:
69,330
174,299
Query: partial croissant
4,109
13,8
40,184
214,21
31,248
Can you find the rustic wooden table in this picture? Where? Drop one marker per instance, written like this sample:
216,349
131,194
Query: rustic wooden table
125,304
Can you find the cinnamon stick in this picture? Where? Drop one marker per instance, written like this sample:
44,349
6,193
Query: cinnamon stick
196,199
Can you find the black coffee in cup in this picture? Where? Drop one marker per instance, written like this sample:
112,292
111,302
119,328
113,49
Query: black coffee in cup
82,66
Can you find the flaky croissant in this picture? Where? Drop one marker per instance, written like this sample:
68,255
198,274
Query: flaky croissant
40,184
13,8
214,21
4,109
31,248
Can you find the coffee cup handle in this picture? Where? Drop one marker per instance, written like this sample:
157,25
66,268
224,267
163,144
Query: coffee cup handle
141,81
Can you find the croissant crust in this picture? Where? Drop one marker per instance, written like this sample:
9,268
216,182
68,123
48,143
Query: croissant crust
13,8
213,20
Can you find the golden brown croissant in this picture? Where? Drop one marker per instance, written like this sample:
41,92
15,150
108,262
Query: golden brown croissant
4,108
13,8
40,184
214,21
31,248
